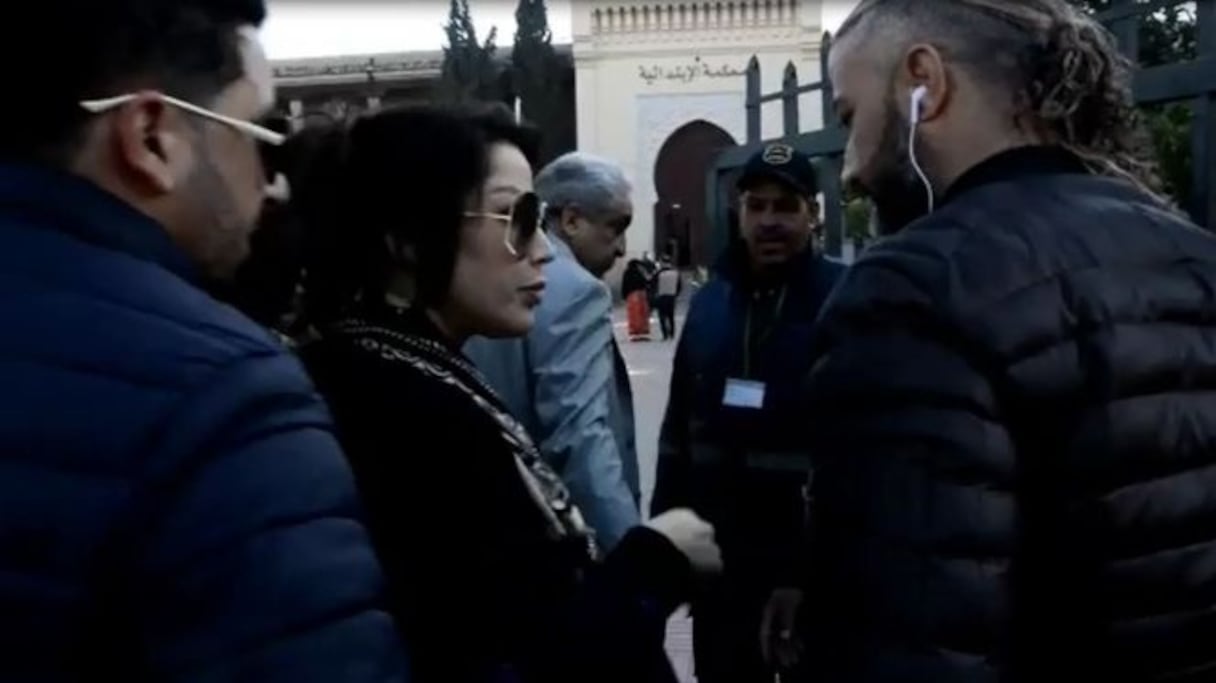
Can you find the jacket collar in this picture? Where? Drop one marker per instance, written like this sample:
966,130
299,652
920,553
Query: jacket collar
561,250
57,200
1016,163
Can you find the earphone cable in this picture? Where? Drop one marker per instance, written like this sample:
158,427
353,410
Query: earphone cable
916,164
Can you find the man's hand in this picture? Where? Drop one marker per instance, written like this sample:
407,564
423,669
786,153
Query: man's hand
693,536
778,642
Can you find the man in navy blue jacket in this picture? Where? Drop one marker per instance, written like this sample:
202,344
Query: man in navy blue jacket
173,505
732,445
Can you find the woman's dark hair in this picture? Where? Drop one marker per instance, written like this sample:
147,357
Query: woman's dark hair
390,195
265,284
264,287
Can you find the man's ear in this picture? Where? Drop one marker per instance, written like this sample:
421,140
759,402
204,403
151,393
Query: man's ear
150,143
925,67
568,221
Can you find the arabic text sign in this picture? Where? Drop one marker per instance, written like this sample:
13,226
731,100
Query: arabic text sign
687,73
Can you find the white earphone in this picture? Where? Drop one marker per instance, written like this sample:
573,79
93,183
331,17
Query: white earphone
918,102
914,113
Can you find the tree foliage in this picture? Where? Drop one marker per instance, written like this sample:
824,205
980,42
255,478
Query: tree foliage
858,228
1166,36
532,58
537,73
469,71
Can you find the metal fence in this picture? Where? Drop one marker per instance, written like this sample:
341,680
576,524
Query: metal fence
1191,81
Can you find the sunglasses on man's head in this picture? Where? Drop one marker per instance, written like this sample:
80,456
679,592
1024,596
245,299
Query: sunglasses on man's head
257,132
269,141
523,221
273,156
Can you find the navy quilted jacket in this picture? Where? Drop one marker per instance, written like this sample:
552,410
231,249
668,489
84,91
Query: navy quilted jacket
173,506
1016,440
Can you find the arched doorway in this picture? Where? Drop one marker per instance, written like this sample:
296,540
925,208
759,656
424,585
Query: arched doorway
682,229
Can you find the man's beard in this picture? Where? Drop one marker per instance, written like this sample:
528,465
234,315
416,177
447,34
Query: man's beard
898,195
224,233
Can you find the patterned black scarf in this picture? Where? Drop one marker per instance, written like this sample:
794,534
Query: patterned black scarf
438,362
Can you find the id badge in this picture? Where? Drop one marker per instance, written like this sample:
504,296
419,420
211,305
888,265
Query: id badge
742,393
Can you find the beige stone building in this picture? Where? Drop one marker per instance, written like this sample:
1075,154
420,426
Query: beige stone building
658,86
329,88
660,89
334,88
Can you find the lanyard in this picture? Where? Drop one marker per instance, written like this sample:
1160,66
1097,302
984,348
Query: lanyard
747,331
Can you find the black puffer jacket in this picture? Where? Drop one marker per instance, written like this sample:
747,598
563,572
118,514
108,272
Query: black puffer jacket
1016,414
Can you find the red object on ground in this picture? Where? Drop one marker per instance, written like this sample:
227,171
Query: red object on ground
637,310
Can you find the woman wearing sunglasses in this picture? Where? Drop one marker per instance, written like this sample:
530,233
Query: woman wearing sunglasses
429,233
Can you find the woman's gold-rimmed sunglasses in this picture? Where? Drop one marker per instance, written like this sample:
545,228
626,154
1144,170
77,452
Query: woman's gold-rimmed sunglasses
524,220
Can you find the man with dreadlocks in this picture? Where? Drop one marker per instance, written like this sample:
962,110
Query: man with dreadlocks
1015,391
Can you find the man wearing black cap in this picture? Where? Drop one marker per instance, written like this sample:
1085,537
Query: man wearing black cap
731,441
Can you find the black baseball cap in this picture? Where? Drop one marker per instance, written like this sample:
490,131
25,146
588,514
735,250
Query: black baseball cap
784,164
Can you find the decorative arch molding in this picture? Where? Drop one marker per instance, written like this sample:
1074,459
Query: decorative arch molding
659,116
673,146
683,229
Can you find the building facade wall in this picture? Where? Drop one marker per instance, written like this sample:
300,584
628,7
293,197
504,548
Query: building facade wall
338,88
640,71
328,89
645,69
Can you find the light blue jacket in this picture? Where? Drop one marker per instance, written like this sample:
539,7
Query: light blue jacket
563,383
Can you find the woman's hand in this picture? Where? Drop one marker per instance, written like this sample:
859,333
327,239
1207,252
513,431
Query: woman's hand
693,536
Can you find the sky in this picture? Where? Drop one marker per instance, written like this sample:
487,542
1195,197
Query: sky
313,28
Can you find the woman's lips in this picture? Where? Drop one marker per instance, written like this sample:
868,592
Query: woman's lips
532,293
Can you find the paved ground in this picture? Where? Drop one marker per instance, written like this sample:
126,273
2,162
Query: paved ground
650,372
649,365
